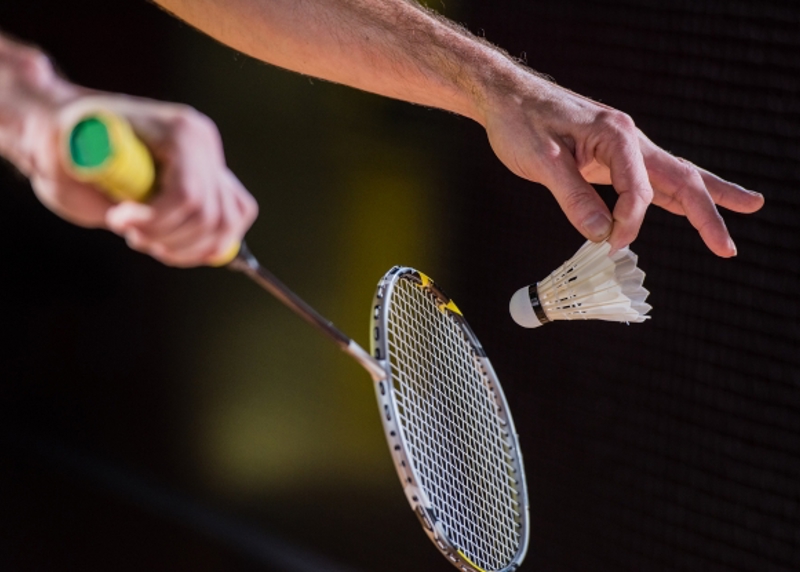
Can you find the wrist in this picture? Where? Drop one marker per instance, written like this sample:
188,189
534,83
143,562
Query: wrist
488,79
30,95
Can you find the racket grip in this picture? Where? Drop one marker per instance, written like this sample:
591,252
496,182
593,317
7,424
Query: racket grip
102,149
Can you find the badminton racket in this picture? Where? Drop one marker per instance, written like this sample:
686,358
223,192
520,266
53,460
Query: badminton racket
446,419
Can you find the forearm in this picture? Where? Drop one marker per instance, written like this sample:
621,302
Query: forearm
391,47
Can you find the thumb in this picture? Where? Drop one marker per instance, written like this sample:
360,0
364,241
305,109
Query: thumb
578,199
126,215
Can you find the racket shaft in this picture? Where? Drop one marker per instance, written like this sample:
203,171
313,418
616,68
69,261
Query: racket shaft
246,263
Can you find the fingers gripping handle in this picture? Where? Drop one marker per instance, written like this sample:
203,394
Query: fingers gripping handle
102,149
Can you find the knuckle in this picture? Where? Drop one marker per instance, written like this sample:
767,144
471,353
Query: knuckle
203,226
203,123
218,223
35,65
193,129
709,222
616,123
550,157
550,154
186,119
182,192
704,224
183,115
250,206
209,223
577,199
190,203
178,186
685,170
28,56
253,210
644,195
670,203
689,181
622,122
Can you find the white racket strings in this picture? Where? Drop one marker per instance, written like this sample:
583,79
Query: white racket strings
456,437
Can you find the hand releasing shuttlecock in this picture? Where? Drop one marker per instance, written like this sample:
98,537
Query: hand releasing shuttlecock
589,286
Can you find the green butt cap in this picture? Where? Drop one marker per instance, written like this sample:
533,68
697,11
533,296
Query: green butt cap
89,143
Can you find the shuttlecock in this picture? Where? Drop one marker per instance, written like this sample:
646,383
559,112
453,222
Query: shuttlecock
589,286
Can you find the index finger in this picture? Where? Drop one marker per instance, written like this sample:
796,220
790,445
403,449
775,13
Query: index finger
621,153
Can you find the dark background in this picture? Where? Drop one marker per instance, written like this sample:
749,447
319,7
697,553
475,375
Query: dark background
133,397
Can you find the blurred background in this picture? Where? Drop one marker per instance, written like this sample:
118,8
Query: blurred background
147,412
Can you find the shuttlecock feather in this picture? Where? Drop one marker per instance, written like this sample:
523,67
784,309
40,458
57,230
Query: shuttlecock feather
592,285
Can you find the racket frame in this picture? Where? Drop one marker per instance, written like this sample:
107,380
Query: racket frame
417,497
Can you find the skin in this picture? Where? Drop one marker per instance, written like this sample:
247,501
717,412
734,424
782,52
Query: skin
200,209
540,131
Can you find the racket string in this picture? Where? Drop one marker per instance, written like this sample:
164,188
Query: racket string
468,508
445,454
484,513
474,442
450,419
474,511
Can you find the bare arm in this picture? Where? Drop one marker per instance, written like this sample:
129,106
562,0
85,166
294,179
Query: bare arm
540,131
199,209
394,48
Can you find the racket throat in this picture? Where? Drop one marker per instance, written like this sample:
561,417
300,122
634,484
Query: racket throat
368,362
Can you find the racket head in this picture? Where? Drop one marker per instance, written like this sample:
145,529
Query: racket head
448,426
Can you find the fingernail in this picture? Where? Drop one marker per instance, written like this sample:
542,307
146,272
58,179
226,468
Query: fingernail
598,225
748,191
732,246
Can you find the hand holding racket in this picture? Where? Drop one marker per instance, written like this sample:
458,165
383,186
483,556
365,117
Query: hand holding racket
189,216
446,419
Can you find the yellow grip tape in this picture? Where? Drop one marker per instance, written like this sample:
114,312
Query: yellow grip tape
103,150
118,163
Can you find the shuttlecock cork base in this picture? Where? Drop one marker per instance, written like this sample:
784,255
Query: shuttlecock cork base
592,285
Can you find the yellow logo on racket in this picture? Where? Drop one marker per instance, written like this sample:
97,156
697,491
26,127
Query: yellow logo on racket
443,306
